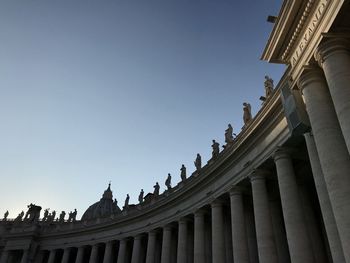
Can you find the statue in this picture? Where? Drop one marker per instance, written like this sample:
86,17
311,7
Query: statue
183,173
141,196
46,214
198,162
72,216
228,134
19,217
216,149
6,215
62,215
33,213
156,189
168,182
268,86
115,202
51,217
126,204
247,113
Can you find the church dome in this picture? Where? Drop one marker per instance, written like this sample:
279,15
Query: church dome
103,208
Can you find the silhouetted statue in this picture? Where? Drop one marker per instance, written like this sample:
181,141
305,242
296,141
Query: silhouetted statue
72,216
126,203
51,217
168,182
228,134
61,218
183,172
46,214
33,213
247,113
115,202
268,86
19,217
156,189
198,162
216,149
141,196
6,215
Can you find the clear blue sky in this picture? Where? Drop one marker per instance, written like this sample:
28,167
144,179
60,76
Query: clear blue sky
127,91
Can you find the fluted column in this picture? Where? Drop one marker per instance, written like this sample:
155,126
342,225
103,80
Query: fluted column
263,224
4,256
66,253
325,204
107,258
333,56
299,244
218,239
199,236
166,244
331,148
136,250
52,256
80,255
151,246
239,235
94,254
182,241
122,251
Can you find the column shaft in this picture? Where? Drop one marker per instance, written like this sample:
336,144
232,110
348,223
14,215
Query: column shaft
182,241
4,256
239,235
332,151
218,241
136,251
325,204
199,236
166,245
52,256
65,257
107,258
264,231
299,244
80,255
151,247
94,254
334,57
24,258
122,251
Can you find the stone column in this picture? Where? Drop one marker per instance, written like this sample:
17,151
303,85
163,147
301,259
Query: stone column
136,251
94,254
80,255
299,244
65,257
4,256
39,257
199,236
107,258
218,239
239,235
333,56
264,231
24,258
331,148
166,244
182,241
151,247
122,251
52,256
325,204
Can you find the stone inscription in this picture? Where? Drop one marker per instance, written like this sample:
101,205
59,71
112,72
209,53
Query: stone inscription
310,29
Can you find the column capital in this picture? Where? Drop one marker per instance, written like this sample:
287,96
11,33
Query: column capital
200,212
259,174
237,190
184,220
282,153
168,227
152,232
311,73
139,236
329,47
217,203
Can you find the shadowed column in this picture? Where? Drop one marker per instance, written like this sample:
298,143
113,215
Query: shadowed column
80,255
182,241
107,258
52,256
199,236
136,251
122,251
94,254
218,241
66,253
166,244
151,247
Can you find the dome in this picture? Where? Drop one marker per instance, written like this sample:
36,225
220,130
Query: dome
103,208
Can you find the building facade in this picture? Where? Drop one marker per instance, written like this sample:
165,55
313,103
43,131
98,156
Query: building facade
280,192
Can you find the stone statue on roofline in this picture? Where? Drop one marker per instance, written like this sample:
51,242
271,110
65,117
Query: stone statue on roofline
216,149
72,216
168,182
268,87
247,113
198,162
126,203
19,217
61,217
141,196
183,173
229,134
156,189
6,215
